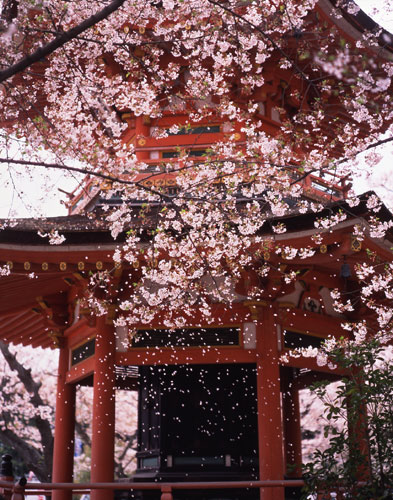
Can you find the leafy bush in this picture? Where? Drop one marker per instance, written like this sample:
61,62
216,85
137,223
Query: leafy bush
358,462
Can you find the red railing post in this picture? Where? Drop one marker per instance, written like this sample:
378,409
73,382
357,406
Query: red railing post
166,493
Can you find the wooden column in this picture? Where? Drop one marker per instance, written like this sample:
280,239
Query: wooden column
292,429
103,425
63,451
270,433
142,132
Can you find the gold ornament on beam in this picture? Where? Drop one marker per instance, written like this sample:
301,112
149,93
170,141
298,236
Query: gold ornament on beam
44,266
63,266
356,245
27,266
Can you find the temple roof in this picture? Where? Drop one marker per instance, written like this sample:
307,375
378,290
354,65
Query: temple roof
34,297
95,228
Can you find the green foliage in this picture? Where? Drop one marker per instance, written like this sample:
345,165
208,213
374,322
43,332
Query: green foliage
359,427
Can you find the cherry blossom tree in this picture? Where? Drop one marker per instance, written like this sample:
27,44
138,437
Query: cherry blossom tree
27,409
293,94
27,401
77,76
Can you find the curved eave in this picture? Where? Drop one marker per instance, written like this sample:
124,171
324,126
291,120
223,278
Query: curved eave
26,328
25,316
353,26
40,279
31,304
34,297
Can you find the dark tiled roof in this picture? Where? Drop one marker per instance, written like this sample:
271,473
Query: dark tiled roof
95,229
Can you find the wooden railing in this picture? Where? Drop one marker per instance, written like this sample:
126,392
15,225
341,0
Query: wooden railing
22,490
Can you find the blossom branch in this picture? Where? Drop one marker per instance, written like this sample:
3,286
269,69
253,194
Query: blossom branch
59,41
267,37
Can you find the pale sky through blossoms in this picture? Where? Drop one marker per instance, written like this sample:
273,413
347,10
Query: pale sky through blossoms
36,193
379,10
381,178
378,179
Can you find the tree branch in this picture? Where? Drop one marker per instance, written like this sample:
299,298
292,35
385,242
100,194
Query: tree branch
295,66
24,375
370,146
107,177
59,41
32,458
58,166
376,144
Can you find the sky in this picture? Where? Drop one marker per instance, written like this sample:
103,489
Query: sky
379,10
378,179
34,193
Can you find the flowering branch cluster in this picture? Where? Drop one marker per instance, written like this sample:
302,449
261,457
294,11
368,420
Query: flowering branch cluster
292,96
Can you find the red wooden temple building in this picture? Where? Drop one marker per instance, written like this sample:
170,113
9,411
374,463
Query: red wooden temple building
253,419
249,425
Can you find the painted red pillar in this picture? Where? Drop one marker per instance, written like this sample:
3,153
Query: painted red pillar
270,433
292,429
103,424
142,132
63,451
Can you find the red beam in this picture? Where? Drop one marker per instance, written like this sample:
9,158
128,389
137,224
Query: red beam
221,314
319,325
191,485
81,370
43,340
11,318
36,324
79,332
29,319
55,256
183,356
26,339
